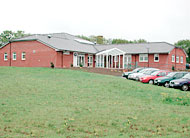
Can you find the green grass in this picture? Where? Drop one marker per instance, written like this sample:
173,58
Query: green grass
43,102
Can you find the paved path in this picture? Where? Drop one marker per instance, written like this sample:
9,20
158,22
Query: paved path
114,72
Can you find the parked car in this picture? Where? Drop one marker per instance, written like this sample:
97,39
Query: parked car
150,78
146,73
126,74
133,76
165,81
182,83
187,66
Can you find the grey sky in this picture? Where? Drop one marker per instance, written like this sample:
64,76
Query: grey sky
153,20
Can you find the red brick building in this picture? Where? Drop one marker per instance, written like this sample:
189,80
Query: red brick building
65,50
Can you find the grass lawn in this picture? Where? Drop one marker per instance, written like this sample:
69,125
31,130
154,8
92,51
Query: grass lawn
43,102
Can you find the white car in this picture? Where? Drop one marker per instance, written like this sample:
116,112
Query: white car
146,73
134,76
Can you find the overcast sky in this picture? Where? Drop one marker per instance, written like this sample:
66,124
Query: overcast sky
153,20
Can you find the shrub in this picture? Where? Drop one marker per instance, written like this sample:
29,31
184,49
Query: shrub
173,68
52,65
81,65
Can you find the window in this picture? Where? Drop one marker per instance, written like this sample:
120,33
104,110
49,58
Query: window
23,56
5,56
179,75
181,59
177,59
143,58
156,57
14,56
163,74
173,58
127,61
81,60
90,61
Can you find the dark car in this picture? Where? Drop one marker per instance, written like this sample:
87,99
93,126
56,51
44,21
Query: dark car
126,74
165,81
182,83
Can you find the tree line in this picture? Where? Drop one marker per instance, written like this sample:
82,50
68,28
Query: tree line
8,35
102,40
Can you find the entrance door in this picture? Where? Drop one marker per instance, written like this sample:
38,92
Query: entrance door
127,61
90,61
80,62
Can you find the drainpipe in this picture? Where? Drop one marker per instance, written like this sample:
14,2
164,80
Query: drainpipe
135,62
175,58
10,54
148,60
62,59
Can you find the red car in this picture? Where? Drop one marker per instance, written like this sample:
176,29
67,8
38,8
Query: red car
150,78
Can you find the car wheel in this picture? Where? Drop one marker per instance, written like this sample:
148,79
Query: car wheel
185,87
166,84
151,82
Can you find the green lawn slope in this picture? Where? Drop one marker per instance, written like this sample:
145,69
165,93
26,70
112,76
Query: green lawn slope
44,102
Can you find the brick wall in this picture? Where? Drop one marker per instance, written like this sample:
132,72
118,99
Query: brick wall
37,54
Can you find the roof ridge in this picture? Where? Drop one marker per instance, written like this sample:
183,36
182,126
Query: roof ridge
134,43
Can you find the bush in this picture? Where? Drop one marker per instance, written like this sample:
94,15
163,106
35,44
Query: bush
52,65
81,65
173,68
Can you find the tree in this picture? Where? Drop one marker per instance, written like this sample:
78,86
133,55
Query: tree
123,41
102,40
83,37
141,41
185,44
8,35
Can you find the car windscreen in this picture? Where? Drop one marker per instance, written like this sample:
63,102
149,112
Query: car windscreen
155,73
171,74
187,76
142,71
149,72
136,70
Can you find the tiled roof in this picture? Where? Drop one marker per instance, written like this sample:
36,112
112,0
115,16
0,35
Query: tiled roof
64,41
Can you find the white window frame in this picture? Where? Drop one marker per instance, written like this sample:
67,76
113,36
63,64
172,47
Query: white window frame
156,55
80,57
90,63
23,56
5,56
177,59
14,55
173,58
144,56
181,59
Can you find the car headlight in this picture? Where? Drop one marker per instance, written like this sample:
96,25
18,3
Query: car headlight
159,80
177,83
